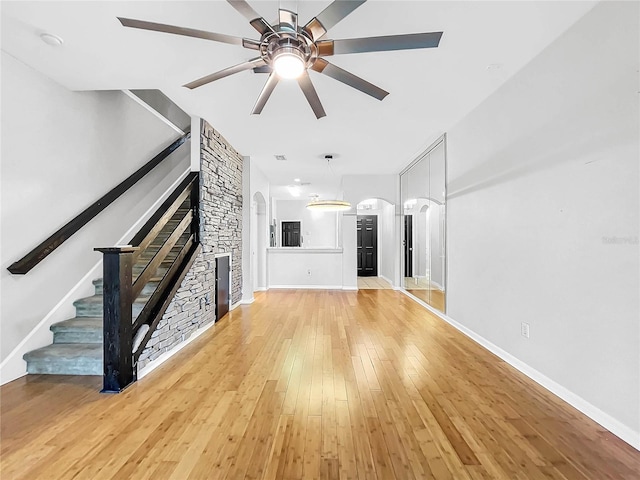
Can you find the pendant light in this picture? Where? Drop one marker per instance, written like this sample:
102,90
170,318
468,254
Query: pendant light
328,205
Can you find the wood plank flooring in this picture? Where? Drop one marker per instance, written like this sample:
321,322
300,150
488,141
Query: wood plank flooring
375,283
311,384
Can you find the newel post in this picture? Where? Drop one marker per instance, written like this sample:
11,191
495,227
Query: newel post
117,265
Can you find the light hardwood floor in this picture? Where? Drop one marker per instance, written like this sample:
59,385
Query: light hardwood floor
311,384
373,283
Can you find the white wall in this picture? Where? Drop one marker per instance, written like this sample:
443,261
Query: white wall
305,268
61,151
318,228
388,242
357,188
543,211
349,251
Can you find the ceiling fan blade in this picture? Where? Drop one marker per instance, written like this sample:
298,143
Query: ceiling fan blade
187,32
251,44
312,96
337,73
386,43
262,69
288,20
330,17
265,94
247,11
225,73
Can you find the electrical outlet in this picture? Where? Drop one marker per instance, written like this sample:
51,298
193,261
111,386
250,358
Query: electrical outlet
524,329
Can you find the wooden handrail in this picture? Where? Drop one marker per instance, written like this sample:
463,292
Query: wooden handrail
159,257
39,253
150,230
180,233
147,312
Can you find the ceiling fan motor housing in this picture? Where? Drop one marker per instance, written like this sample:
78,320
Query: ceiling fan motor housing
288,43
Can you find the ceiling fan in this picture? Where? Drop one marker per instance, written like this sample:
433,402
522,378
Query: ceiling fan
288,50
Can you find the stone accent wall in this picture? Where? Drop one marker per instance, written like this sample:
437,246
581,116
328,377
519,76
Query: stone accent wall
221,201
220,232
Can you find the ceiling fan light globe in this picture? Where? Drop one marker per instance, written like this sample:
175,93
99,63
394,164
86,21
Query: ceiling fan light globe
288,65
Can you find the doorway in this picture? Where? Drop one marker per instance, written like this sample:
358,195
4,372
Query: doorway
259,242
222,286
367,238
291,234
408,246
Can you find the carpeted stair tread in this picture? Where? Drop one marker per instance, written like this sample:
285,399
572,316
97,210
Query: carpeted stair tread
66,359
148,289
78,330
92,306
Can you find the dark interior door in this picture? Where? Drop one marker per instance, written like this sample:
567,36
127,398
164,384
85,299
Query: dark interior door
408,246
367,226
291,234
222,286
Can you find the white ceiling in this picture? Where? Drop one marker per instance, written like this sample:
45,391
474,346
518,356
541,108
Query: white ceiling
431,89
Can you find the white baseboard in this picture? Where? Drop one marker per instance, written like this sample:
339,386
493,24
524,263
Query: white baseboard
149,367
248,301
386,279
13,366
237,304
307,287
616,427
260,289
350,289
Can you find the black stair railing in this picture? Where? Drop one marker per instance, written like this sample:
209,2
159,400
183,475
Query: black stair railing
39,253
162,252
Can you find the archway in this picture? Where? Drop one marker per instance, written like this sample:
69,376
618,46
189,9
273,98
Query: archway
376,244
259,236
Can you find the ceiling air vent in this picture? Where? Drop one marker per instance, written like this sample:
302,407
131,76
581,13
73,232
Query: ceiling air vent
280,157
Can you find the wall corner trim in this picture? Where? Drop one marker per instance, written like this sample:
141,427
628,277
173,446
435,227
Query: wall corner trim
622,431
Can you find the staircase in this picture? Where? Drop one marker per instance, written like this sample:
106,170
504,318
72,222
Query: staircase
77,342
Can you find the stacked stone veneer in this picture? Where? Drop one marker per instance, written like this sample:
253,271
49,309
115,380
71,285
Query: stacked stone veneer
220,232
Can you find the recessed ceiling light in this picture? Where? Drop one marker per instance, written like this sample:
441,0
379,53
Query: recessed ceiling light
280,157
296,179
51,39
494,66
